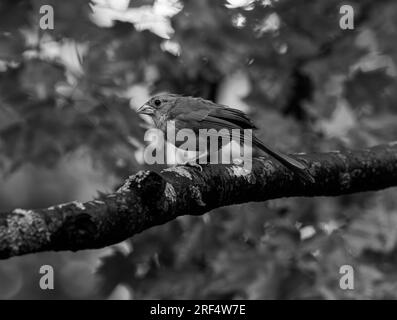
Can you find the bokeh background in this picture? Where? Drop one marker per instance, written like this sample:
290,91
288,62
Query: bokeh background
69,131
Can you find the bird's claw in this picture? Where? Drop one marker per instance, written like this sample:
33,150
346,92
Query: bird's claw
194,165
238,161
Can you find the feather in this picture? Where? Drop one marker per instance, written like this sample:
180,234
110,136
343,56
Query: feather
197,113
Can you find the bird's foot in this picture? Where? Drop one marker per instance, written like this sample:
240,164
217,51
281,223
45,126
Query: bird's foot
238,161
242,162
193,164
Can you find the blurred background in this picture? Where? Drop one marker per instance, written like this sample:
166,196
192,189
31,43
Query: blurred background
69,131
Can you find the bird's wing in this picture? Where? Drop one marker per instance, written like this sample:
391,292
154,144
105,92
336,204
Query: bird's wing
234,116
208,114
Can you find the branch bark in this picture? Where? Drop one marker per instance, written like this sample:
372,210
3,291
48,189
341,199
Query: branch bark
148,199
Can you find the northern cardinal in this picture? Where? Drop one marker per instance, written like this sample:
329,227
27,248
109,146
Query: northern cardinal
197,113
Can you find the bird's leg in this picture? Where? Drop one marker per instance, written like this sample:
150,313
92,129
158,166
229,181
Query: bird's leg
195,161
192,163
241,162
238,161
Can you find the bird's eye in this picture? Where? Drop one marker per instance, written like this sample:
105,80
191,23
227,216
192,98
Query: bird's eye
157,102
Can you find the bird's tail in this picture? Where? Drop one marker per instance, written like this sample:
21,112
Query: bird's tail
291,163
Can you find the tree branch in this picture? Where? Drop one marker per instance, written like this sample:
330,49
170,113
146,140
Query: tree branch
148,198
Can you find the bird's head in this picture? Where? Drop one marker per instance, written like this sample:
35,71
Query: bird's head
158,105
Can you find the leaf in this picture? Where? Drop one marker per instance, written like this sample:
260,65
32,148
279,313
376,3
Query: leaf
139,3
8,117
368,88
375,231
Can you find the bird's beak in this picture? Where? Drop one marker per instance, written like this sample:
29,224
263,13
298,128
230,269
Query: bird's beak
146,109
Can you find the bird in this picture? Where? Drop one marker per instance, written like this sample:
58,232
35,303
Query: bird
196,113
